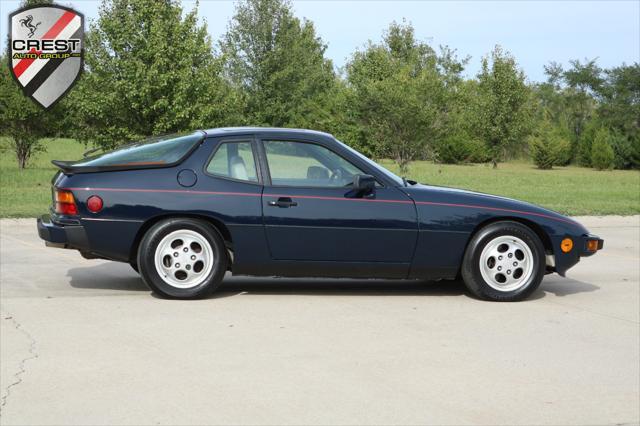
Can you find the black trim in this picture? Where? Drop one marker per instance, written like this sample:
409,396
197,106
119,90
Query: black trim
232,139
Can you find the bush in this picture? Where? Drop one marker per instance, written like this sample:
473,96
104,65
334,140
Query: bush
460,149
585,142
602,155
548,147
623,150
452,150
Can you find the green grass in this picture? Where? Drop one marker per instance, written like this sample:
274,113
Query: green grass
27,193
569,190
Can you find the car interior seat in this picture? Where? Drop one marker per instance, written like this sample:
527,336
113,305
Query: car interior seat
238,168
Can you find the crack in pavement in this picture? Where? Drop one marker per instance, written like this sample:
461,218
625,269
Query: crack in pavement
22,365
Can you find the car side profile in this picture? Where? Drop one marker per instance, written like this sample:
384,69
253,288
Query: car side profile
184,209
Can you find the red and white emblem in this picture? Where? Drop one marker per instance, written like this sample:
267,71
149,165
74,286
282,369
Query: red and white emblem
46,51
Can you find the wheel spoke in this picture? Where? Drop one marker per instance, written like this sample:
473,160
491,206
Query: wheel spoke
186,250
506,263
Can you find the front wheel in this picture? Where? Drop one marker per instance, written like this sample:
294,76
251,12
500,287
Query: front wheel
505,261
182,258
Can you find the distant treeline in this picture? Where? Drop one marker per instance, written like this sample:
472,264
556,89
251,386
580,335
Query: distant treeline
152,68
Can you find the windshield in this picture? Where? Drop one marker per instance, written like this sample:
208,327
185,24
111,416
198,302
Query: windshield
395,178
160,150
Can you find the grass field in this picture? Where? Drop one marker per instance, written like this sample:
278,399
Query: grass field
569,190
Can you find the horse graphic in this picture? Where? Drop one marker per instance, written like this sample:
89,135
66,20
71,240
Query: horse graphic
27,22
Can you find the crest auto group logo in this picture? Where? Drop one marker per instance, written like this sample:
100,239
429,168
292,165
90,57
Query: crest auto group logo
46,45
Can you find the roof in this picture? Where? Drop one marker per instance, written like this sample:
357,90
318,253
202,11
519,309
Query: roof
219,131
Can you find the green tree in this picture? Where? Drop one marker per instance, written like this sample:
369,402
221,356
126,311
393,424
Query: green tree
547,146
149,70
399,94
503,112
278,63
21,119
602,155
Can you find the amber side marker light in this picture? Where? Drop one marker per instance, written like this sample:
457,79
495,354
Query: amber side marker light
592,245
65,203
566,245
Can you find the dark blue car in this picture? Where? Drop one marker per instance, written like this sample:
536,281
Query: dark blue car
184,209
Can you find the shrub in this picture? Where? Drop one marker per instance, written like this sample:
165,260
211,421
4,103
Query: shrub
548,147
453,150
542,152
623,150
460,148
585,142
602,155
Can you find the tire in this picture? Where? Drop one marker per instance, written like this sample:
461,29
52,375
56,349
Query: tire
504,262
182,258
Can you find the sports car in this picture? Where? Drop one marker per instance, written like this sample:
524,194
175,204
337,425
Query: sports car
185,209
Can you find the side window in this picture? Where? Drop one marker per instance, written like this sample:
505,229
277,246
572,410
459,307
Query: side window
234,160
307,164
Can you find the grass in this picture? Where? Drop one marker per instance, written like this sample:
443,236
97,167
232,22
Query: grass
27,193
569,190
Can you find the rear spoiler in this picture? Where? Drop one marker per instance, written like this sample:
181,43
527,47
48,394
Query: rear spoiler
65,166
70,168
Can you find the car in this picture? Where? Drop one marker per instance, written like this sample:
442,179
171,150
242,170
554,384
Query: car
184,209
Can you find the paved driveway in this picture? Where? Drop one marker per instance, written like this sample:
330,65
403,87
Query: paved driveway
84,342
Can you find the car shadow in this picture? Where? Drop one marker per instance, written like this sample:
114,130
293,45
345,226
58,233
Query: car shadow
337,287
120,277
565,286
106,276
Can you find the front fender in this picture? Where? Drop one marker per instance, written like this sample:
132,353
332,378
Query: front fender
448,218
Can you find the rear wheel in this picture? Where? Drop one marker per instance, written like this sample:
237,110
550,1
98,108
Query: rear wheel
505,261
182,258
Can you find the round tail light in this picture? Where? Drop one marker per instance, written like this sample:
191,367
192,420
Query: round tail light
94,204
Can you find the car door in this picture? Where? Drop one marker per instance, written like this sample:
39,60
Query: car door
310,213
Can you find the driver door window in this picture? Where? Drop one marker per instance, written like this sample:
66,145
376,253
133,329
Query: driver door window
307,165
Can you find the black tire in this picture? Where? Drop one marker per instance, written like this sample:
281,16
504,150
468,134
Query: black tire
471,264
146,258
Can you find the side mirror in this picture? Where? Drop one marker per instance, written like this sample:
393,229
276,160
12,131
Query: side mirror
364,184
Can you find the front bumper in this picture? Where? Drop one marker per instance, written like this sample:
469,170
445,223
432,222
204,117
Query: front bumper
68,234
590,244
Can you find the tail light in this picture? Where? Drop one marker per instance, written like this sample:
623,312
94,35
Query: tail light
65,203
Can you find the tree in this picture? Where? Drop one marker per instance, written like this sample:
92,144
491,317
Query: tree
278,63
602,155
149,70
398,95
502,108
21,119
547,146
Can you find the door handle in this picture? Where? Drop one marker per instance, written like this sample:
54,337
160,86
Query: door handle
283,202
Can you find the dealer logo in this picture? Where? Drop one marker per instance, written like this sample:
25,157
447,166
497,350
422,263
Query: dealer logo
46,45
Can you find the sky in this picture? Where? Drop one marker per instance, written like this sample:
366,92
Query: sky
535,32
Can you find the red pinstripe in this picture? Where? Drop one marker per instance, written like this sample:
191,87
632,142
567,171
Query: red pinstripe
320,197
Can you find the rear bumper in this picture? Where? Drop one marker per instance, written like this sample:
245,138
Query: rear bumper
62,235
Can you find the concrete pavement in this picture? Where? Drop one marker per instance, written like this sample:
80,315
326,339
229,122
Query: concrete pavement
84,342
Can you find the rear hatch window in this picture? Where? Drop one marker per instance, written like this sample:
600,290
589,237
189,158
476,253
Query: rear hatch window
159,151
